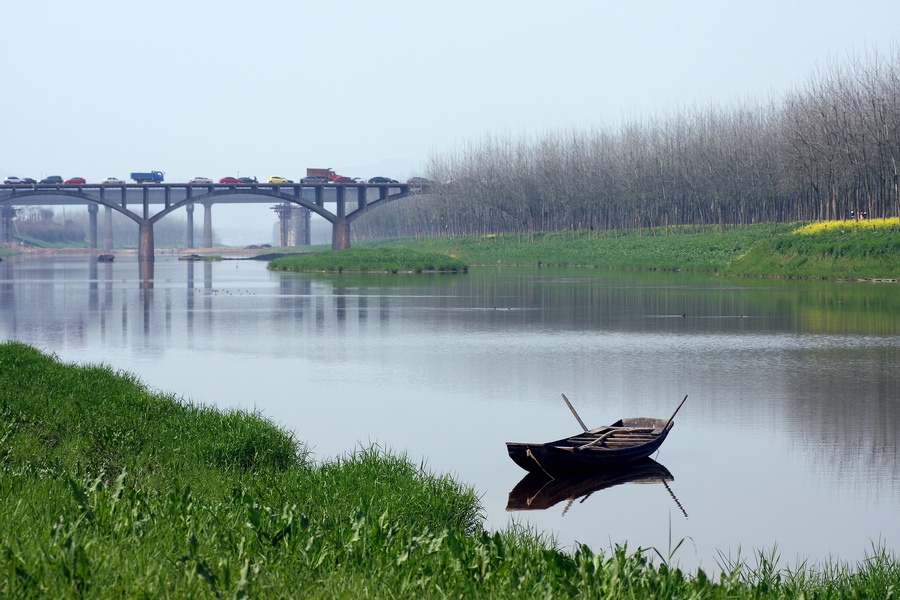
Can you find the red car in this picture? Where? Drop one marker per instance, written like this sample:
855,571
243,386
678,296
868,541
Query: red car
342,180
230,180
75,181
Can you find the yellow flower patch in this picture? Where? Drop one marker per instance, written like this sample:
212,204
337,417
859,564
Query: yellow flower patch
820,226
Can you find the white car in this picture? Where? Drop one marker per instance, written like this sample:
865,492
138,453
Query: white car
200,180
13,181
113,181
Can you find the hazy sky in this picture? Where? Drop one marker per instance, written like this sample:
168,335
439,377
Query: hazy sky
101,88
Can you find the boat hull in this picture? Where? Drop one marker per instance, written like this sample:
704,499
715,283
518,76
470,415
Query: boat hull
575,454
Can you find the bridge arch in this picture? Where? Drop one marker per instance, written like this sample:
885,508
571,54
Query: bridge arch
70,194
289,193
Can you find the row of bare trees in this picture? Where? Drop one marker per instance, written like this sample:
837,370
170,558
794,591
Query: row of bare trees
828,148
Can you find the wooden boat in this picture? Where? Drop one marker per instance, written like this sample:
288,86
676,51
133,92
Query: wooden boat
539,492
625,441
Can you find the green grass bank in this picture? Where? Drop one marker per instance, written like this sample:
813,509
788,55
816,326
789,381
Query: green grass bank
852,251
112,490
371,260
837,249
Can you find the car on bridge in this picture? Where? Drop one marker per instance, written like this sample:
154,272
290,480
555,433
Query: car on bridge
343,180
113,181
13,181
276,179
200,181
382,180
75,181
230,180
248,179
52,179
313,179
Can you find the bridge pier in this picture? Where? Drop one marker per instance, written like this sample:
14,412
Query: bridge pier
283,212
145,241
296,238
108,230
207,225
340,227
340,234
145,272
300,226
7,214
190,224
293,225
93,209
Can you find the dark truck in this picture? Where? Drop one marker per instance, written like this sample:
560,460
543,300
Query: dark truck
151,177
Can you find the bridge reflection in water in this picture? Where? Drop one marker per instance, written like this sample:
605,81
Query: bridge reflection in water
307,304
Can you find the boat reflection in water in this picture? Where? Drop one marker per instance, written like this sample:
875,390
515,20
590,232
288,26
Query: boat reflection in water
540,492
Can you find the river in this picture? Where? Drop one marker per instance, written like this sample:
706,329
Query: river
787,442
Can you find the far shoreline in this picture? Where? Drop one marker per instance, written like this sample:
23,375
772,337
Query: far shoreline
828,251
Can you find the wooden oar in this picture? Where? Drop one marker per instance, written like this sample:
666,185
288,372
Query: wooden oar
675,413
572,408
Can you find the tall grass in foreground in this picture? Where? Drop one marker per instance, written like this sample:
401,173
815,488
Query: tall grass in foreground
111,491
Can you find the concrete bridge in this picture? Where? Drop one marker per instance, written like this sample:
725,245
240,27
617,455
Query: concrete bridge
146,204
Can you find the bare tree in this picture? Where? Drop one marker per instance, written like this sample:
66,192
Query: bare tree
828,147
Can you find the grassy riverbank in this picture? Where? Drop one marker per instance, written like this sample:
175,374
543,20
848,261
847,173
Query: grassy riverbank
371,260
694,249
837,249
113,491
868,249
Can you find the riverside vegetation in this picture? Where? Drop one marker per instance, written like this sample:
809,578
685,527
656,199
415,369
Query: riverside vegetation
380,260
111,490
866,249
827,149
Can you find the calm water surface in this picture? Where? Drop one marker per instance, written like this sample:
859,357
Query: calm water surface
788,440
